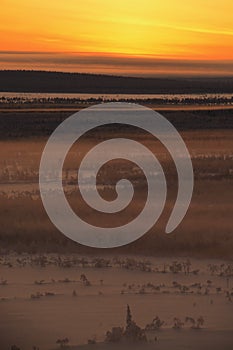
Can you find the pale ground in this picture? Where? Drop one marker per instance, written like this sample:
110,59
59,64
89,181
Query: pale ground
97,308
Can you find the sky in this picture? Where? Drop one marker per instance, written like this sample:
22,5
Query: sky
130,37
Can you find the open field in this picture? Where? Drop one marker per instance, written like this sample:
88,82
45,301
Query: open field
206,229
43,297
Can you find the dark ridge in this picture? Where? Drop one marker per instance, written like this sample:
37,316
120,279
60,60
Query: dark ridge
58,82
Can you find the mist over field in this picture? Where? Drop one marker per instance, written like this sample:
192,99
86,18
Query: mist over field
207,227
161,291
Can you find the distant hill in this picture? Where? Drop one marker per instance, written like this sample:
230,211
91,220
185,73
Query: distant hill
43,81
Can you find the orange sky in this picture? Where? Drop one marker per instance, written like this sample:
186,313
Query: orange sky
85,35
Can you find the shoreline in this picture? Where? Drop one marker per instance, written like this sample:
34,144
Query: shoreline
154,107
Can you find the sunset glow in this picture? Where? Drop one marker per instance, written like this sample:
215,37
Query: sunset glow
196,32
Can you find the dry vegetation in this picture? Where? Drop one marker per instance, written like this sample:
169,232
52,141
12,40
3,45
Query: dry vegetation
206,229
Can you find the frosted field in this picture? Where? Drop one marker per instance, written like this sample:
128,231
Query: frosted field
43,299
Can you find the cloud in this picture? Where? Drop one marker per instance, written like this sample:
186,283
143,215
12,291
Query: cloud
195,29
113,64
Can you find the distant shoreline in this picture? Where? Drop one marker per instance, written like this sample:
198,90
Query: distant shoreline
155,107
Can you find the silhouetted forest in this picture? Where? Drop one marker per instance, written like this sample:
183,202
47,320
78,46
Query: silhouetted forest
43,81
